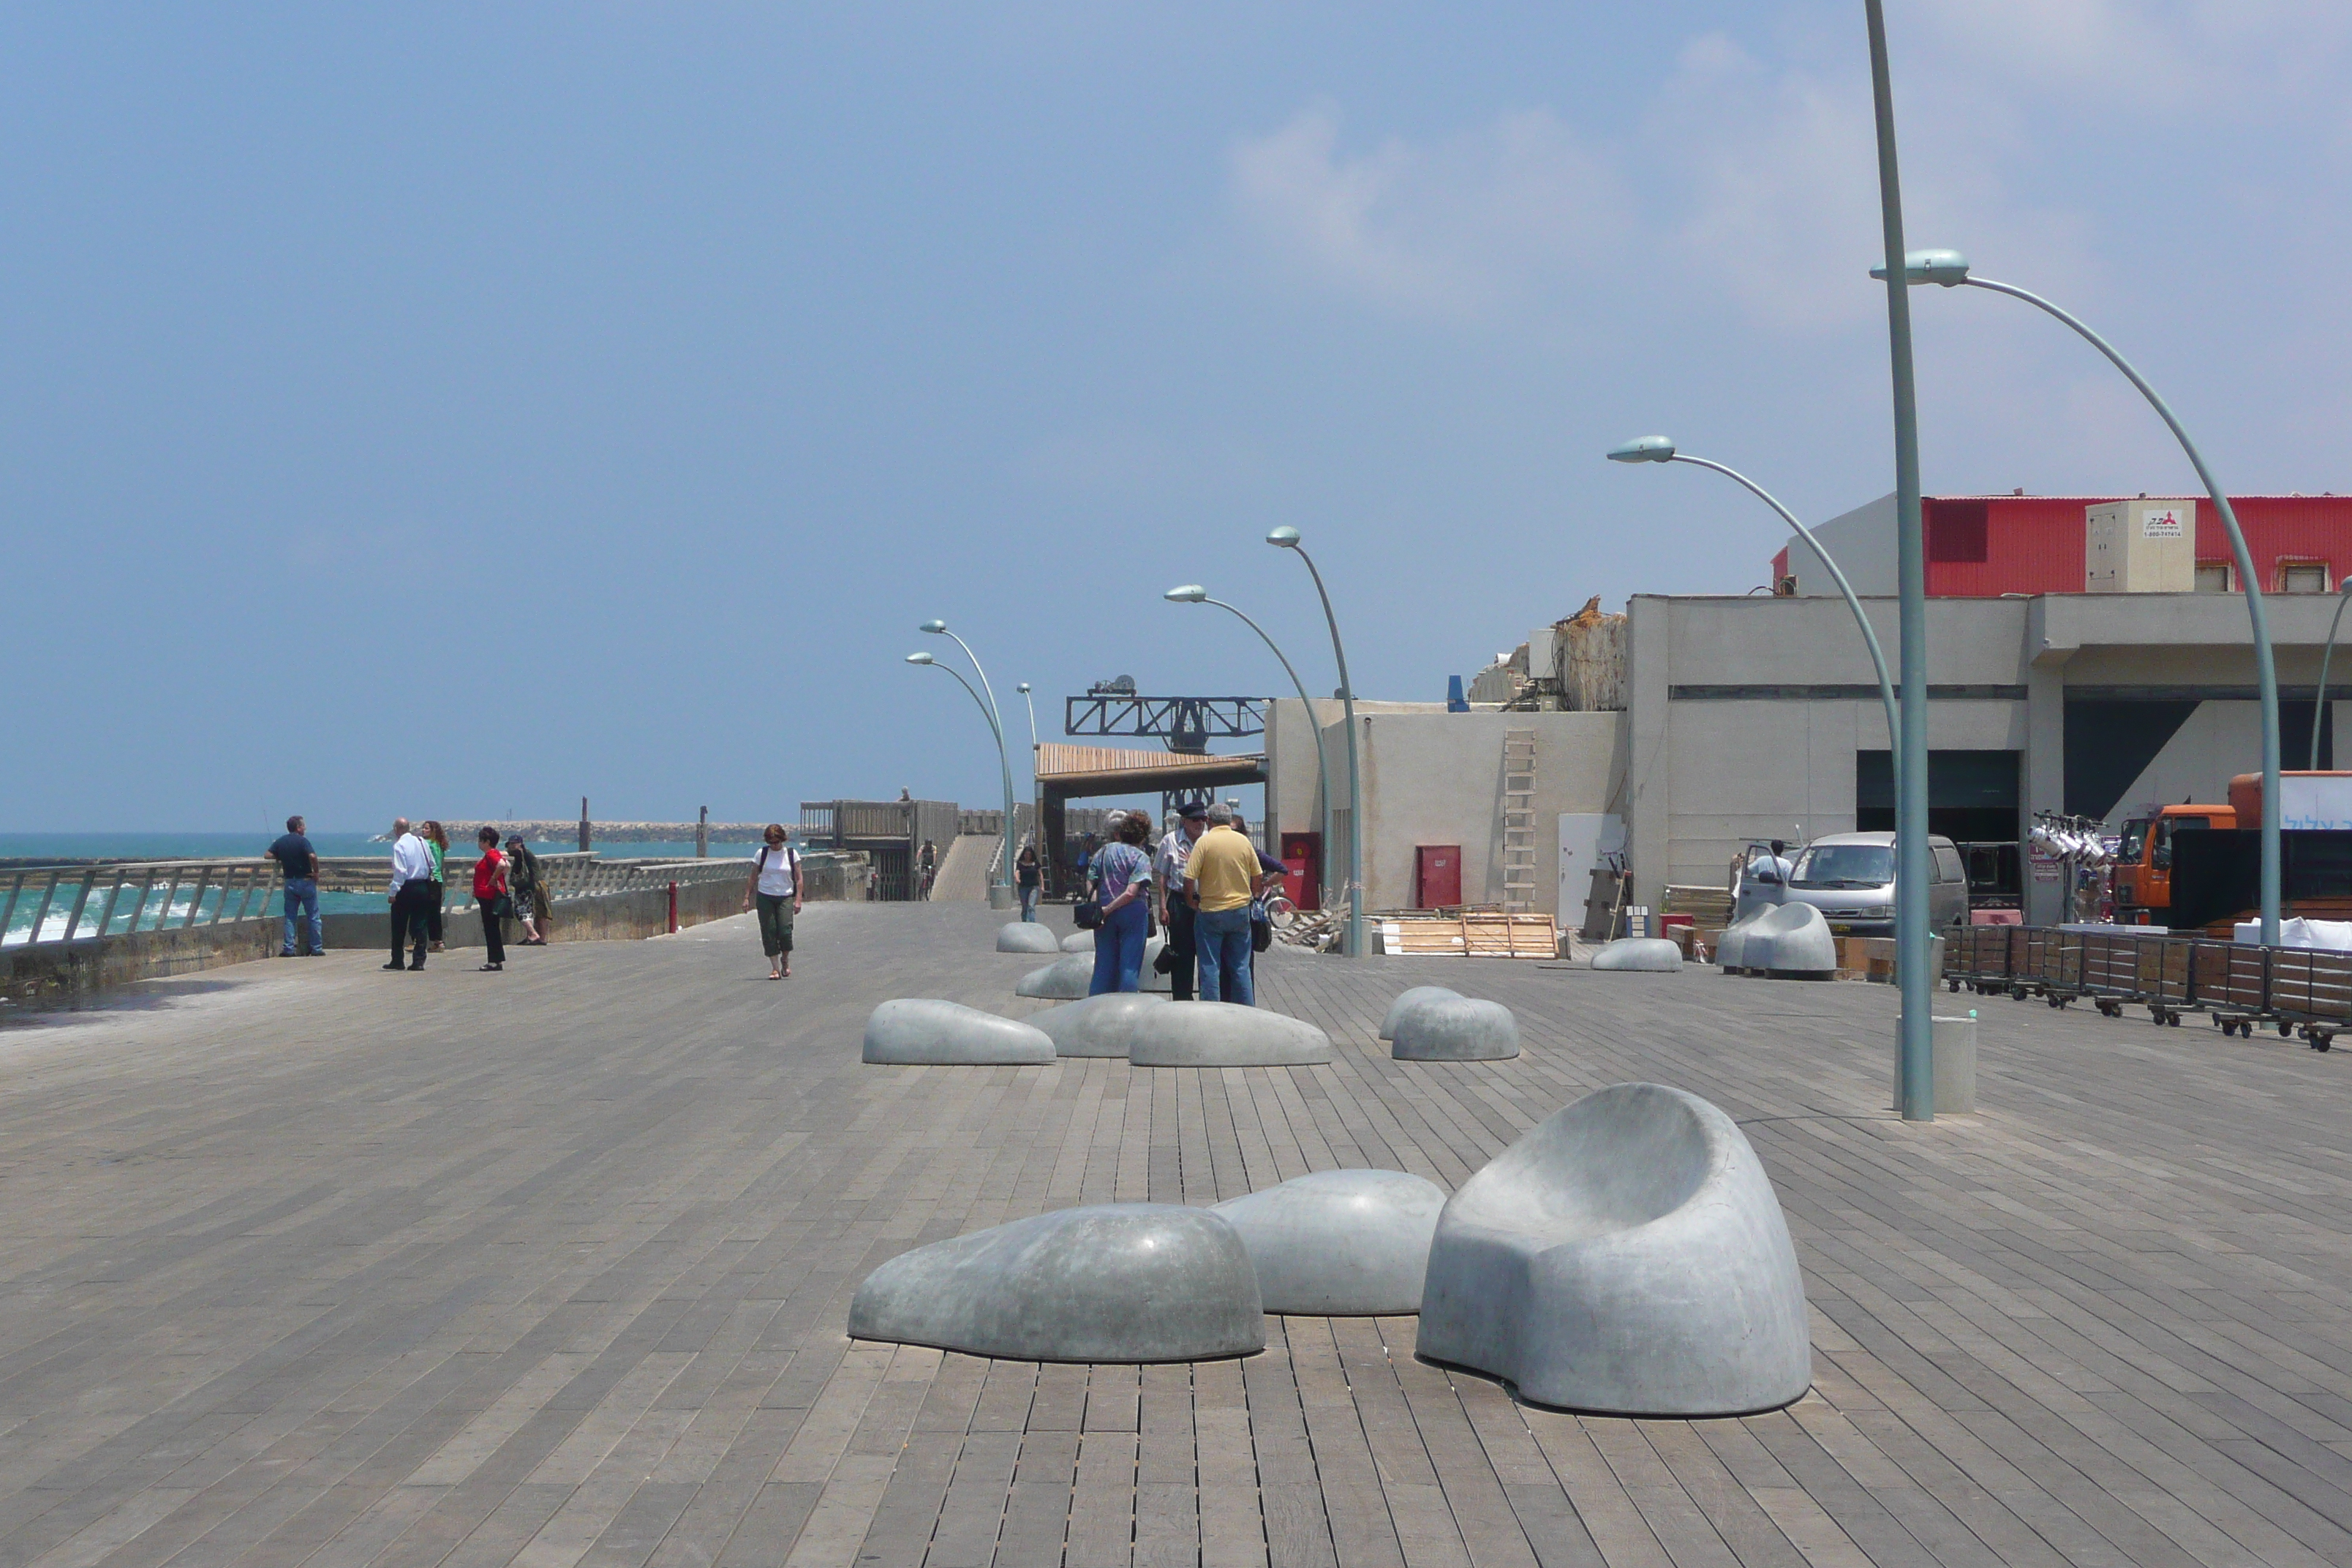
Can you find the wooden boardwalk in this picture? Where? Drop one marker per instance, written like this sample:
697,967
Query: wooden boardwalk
317,1265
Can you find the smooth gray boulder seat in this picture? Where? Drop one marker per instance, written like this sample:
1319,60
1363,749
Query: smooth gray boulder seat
1100,1025
1627,1255
1651,953
1078,942
1339,1244
1457,1029
920,1030
1026,936
1789,941
1064,980
1407,1000
1225,1035
1117,1282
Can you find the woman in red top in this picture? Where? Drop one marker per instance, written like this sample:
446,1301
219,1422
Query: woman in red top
490,898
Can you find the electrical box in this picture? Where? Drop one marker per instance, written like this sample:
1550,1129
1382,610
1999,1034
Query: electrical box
2140,546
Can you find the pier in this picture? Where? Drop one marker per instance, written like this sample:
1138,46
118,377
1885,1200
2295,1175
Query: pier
312,1265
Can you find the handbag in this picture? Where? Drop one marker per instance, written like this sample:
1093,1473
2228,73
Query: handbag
1088,914
1261,928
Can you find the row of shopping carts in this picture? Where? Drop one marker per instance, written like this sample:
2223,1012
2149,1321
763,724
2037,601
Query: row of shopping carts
2238,986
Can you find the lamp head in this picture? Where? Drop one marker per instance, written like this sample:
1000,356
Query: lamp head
932,626
1284,538
1643,449
1023,689
1949,268
1190,594
920,659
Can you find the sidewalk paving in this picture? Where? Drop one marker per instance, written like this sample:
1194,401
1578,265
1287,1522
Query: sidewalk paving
311,1264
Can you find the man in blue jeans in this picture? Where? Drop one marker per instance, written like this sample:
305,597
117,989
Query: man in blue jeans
1221,873
300,863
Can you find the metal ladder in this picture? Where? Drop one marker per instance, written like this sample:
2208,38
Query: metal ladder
1518,821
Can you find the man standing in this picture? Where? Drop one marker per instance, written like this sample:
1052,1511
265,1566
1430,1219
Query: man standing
1167,866
300,863
412,893
1220,874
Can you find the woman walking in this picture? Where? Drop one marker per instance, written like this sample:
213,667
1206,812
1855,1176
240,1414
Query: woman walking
490,898
525,890
776,887
436,842
1029,874
1122,883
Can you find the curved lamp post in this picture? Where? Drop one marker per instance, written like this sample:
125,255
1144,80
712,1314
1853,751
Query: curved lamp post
1036,805
1193,594
2319,704
995,727
1951,269
1287,539
1661,449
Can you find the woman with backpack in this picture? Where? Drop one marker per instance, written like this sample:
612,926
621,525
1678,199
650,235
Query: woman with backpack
775,887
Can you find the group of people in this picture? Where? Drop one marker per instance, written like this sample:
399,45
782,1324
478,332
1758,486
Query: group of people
1203,880
506,885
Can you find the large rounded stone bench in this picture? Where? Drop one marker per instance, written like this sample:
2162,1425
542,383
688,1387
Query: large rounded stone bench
1409,999
1078,942
1627,1255
1652,954
1340,1243
1117,1282
922,1031
1063,980
1026,936
1787,942
1224,1035
1456,1029
1098,1027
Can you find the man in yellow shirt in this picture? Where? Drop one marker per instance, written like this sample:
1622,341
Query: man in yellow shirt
1220,876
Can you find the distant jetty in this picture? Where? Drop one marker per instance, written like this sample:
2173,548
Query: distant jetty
610,832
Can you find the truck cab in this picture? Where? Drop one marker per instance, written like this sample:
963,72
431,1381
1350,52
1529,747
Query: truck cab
2143,877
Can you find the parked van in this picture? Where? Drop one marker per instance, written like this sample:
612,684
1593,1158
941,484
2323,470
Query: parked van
1849,878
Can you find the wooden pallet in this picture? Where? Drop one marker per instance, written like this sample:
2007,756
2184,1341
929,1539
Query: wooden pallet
1472,933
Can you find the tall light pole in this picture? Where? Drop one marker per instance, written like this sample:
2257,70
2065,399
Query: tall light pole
1950,268
1036,805
2319,704
1912,865
1287,539
1000,894
1661,449
1193,594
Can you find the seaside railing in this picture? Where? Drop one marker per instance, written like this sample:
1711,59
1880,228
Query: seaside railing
88,899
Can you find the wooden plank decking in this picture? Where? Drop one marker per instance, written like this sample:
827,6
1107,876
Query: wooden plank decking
317,1265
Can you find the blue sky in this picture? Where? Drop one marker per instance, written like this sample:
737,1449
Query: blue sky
461,409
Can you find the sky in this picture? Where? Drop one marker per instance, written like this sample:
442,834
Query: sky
461,409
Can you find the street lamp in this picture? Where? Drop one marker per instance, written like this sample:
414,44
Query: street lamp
1037,805
1000,893
1193,594
1951,269
1287,539
2319,706
1661,449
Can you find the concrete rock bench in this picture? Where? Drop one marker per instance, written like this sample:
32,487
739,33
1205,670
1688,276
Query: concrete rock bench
1026,936
1224,1035
1064,980
1627,1255
1409,999
1098,1027
1787,942
1078,942
1456,1029
1650,955
1117,1282
1340,1243
922,1031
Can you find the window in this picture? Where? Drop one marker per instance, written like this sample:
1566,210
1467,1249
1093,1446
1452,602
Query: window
1844,866
2303,576
1956,531
2214,577
1947,864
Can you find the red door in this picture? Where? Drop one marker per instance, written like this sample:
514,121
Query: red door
1302,859
1436,876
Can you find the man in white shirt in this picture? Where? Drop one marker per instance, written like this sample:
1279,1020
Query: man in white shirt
1176,910
412,893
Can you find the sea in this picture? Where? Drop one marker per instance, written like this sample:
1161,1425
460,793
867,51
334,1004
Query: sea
50,848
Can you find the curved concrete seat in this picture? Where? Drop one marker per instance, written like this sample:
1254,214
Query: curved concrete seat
1098,1027
1340,1244
1064,980
1117,1282
1225,1035
921,1030
1790,941
1457,1029
1627,1255
1078,942
1026,936
1649,953
1407,1000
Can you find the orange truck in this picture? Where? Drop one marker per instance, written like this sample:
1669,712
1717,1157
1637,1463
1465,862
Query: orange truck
2310,803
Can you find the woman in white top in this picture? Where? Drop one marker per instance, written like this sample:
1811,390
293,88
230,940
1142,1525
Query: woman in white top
776,887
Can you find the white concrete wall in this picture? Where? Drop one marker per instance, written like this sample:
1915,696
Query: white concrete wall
1863,542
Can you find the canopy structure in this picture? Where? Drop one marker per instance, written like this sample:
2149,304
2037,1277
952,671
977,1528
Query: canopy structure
1067,772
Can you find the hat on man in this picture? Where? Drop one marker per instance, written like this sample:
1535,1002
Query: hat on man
1192,811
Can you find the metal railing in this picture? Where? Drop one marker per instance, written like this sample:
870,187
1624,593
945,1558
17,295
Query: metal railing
86,900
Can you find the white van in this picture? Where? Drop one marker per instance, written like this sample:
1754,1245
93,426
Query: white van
1849,878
